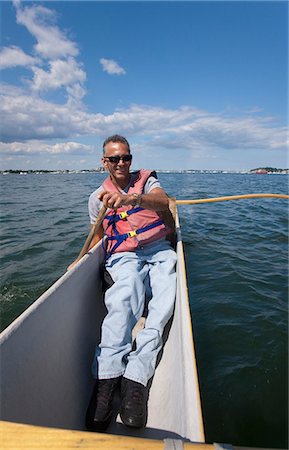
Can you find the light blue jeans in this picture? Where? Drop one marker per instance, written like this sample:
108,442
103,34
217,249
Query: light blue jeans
150,268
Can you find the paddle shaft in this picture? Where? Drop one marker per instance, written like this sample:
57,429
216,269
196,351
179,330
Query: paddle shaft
92,232
231,197
102,212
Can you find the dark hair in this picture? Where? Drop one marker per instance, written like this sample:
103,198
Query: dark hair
116,138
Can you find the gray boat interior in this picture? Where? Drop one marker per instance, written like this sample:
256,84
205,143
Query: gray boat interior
46,357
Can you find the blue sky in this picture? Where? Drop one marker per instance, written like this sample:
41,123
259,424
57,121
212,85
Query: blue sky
199,85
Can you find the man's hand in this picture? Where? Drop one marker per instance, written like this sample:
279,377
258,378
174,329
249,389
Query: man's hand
156,200
115,200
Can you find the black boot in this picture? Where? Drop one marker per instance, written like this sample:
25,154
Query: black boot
99,411
133,410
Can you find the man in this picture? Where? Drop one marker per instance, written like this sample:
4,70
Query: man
139,260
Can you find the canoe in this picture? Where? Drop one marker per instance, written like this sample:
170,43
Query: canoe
46,356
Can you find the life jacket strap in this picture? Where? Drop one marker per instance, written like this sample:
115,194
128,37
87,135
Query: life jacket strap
114,218
120,238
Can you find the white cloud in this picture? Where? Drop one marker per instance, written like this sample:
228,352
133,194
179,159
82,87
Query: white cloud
111,67
24,117
51,41
75,93
62,73
55,66
37,147
14,56
28,121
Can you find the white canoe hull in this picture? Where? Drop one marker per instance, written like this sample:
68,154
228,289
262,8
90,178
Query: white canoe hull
46,357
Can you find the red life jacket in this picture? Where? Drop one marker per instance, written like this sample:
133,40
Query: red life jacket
130,227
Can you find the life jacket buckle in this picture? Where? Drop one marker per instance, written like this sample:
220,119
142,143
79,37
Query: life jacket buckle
132,233
123,215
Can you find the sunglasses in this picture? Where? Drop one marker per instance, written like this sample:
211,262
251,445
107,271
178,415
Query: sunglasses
116,159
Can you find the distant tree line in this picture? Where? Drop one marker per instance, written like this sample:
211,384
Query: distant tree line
100,169
29,171
268,169
18,171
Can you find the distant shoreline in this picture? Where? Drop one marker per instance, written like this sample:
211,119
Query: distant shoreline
260,170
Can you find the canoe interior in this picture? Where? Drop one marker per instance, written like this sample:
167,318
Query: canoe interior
46,357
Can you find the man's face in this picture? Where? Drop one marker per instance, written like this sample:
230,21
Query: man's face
118,170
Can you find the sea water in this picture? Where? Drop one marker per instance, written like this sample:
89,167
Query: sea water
237,268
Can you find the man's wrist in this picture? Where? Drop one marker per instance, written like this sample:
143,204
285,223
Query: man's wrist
137,199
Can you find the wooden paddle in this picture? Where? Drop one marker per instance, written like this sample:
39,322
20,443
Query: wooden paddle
102,213
92,232
231,197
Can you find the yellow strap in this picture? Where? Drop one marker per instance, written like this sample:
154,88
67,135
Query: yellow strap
132,233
